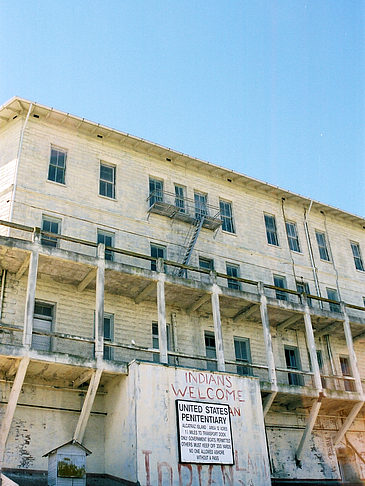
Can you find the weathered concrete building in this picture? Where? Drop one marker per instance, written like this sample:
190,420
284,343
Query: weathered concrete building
146,294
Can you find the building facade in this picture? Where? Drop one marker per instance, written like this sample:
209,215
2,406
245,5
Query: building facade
134,276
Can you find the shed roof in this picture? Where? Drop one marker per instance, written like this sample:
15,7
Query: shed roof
73,442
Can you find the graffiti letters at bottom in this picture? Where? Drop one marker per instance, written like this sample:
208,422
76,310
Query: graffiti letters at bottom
252,473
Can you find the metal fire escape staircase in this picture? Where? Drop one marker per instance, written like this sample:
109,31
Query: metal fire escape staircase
192,237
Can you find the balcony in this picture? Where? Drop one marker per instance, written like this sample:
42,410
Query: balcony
184,209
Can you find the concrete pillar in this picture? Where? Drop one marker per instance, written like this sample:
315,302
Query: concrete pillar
99,305
217,323
312,346
31,289
161,310
350,347
267,338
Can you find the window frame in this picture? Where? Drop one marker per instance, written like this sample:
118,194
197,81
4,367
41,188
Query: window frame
158,247
206,259
227,219
211,365
280,295
48,240
180,199
333,307
348,385
109,254
293,240
306,290
56,167
294,379
200,207
241,369
158,197
108,183
156,341
271,233
44,317
108,350
233,284
358,261
323,248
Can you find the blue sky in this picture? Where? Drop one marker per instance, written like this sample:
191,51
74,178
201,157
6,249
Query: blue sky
270,88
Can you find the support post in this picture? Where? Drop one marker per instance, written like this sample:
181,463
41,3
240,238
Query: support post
348,422
267,338
87,406
11,406
267,402
309,427
217,323
350,347
312,346
161,310
31,289
99,305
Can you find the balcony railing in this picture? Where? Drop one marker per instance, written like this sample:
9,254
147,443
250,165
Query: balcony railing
184,209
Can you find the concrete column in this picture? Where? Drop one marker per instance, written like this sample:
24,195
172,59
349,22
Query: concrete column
350,347
267,338
312,346
217,324
99,305
161,309
31,289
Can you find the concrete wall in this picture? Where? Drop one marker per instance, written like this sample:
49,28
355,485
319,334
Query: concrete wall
152,427
83,211
46,418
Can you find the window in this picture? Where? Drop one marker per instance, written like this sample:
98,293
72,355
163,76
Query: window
108,336
200,201
42,322
155,342
233,271
355,247
180,198
108,240
293,363
242,352
51,225
156,191
280,282
292,233
346,371
321,367
271,233
226,216
107,181
206,263
57,165
303,288
157,251
332,294
210,351
322,246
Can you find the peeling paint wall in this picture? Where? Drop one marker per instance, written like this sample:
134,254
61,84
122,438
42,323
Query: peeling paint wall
37,428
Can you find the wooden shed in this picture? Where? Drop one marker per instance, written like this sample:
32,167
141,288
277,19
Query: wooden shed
67,465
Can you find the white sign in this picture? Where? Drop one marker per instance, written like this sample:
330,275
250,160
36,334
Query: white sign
204,431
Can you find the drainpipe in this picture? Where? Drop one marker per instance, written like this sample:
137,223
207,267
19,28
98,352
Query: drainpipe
309,244
17,164
331,255
2,293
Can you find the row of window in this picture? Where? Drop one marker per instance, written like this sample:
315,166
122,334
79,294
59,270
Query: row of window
52,225
57,171
44,316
